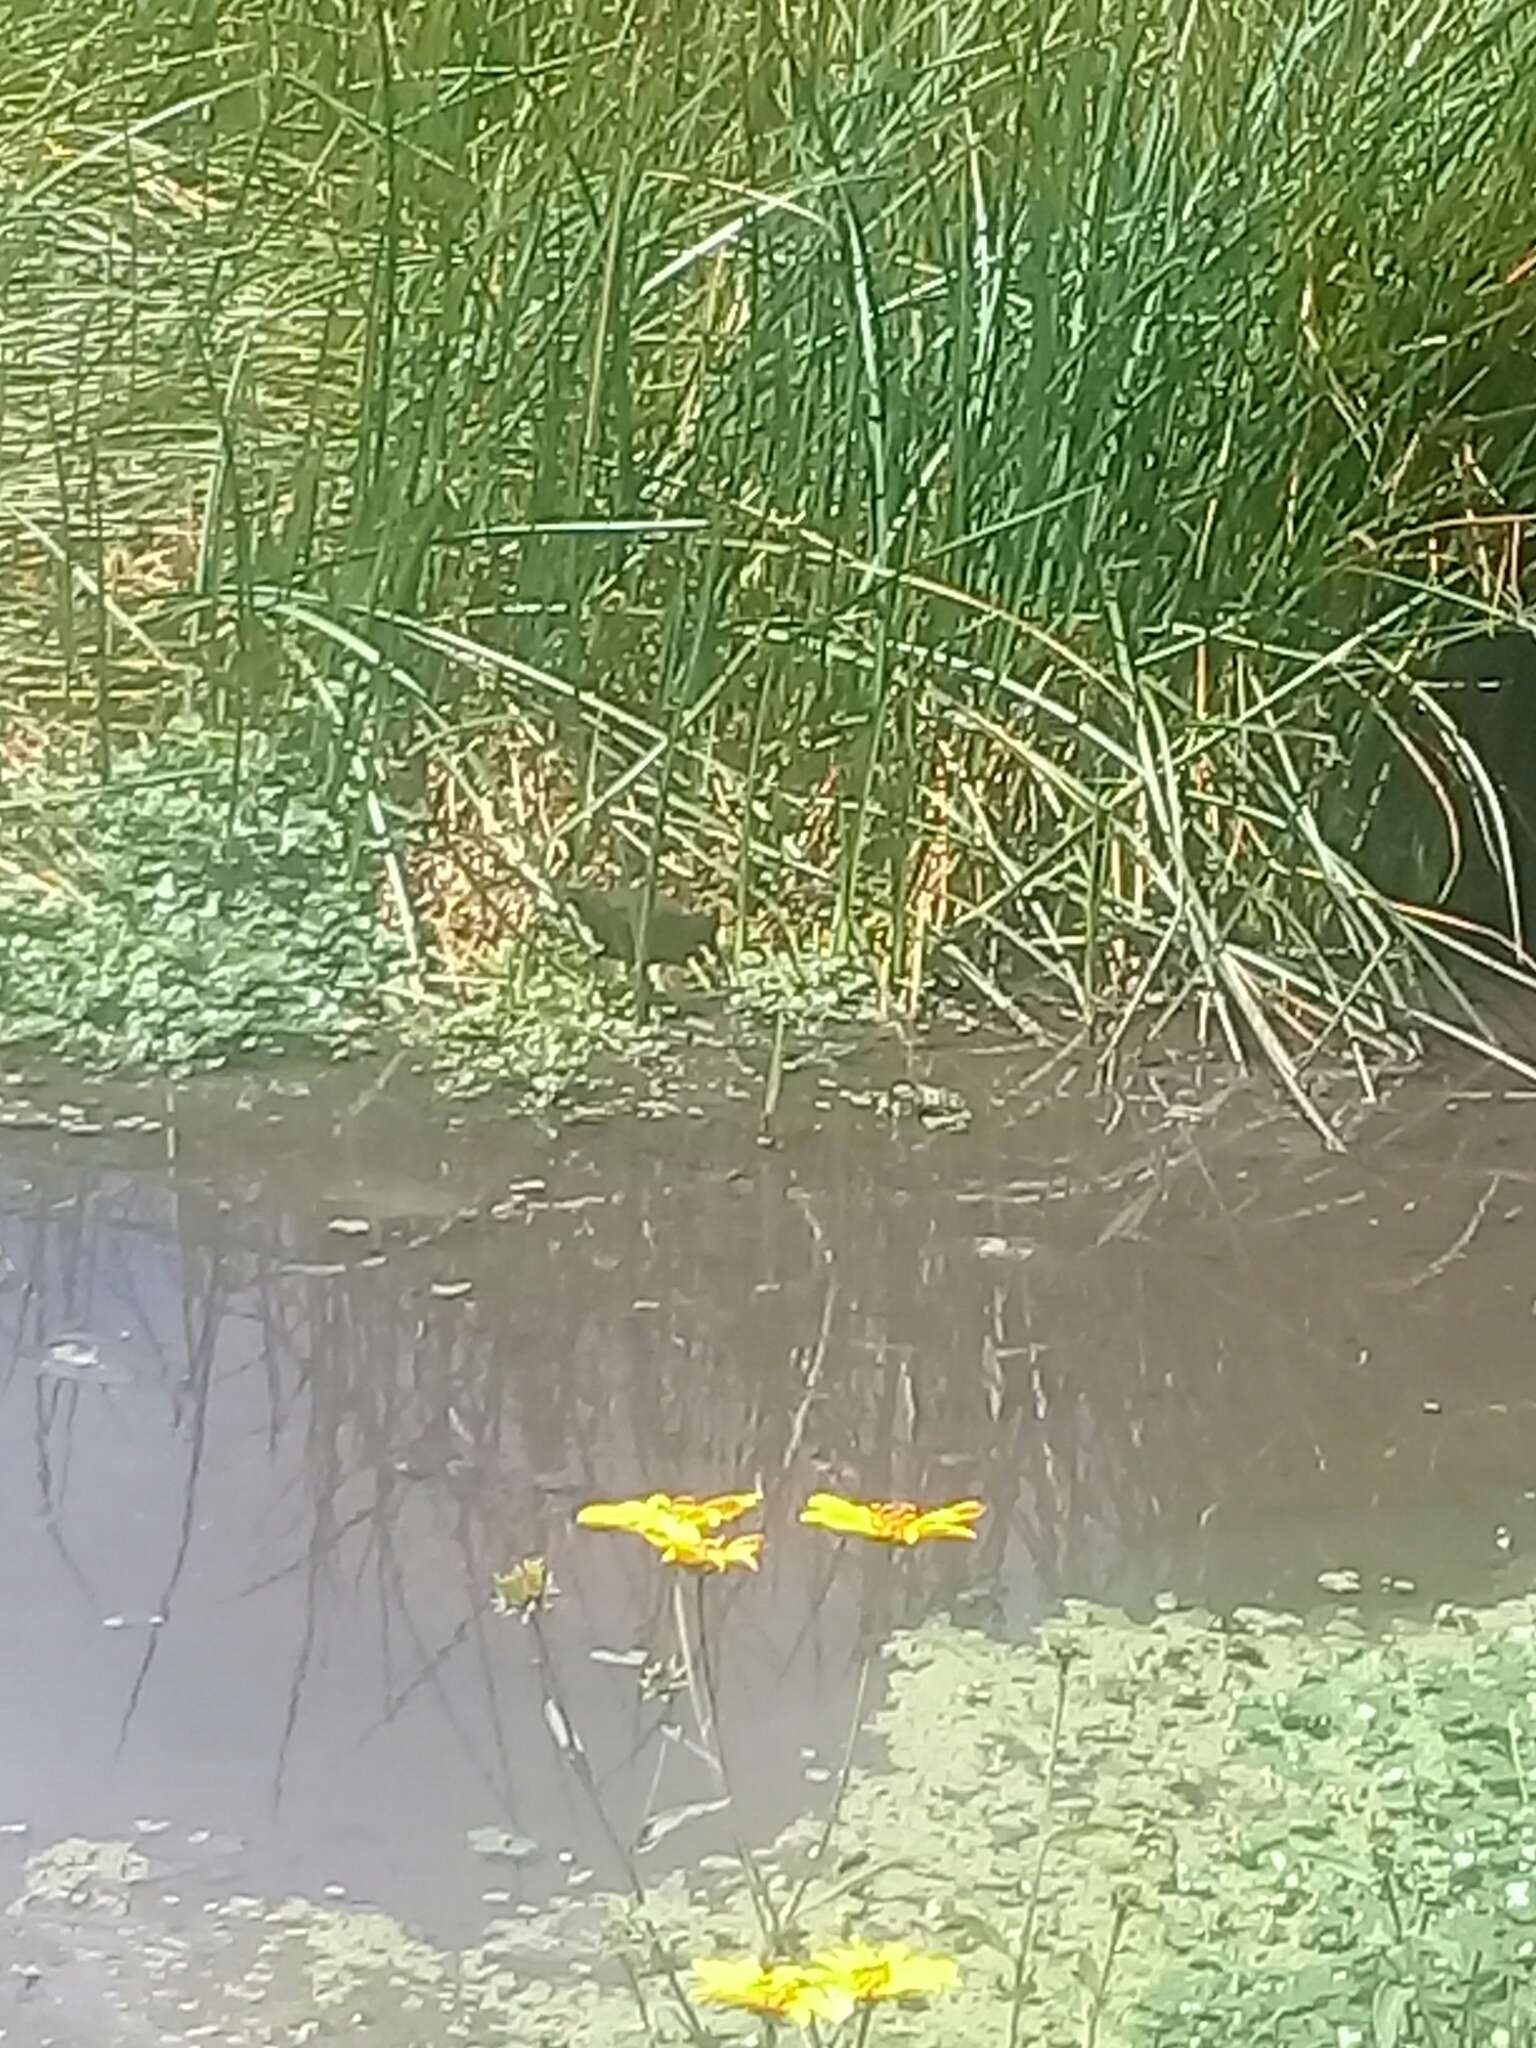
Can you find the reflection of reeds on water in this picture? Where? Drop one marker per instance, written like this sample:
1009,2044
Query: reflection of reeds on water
1091,1333
762,1352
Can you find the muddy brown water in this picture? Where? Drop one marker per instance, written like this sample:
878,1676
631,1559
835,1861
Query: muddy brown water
289,1366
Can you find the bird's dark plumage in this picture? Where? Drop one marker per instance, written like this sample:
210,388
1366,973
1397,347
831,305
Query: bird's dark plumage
673,935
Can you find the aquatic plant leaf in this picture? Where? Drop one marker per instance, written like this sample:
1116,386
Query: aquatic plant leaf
1389,2009
501,1845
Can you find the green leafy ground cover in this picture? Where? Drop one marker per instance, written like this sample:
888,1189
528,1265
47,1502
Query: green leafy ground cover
209,903
1257,1832
188,910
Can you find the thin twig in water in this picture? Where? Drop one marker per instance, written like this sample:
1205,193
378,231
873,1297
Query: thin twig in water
1456,1247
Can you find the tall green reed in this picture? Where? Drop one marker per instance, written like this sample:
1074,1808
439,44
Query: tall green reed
980,480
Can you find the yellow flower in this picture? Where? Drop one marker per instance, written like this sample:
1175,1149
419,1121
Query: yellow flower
834,1983
870,1975
780,1991
715,1512
523,1589
893,1521
637,1516
706,1553
681,1527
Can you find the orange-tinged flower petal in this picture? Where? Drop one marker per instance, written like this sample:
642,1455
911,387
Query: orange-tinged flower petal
893,1521
669,1532
658,1510
681,1545
682,1527
842,1517
952,1520
715,1512
634,1516
745,1551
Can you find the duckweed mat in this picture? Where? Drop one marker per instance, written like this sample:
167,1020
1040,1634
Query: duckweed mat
1192,1829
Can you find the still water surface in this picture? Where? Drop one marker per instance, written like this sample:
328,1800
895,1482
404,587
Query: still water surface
288,1368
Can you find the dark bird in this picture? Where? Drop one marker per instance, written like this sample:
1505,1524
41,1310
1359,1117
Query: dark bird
1488,658
673,935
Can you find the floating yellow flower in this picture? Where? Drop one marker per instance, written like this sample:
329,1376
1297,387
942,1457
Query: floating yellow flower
779,1991
636,1516
525,1588
682,1528
893,1521
870,1975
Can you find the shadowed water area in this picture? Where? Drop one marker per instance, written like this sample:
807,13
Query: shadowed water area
289,1367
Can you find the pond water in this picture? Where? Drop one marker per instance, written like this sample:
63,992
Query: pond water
290,1366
